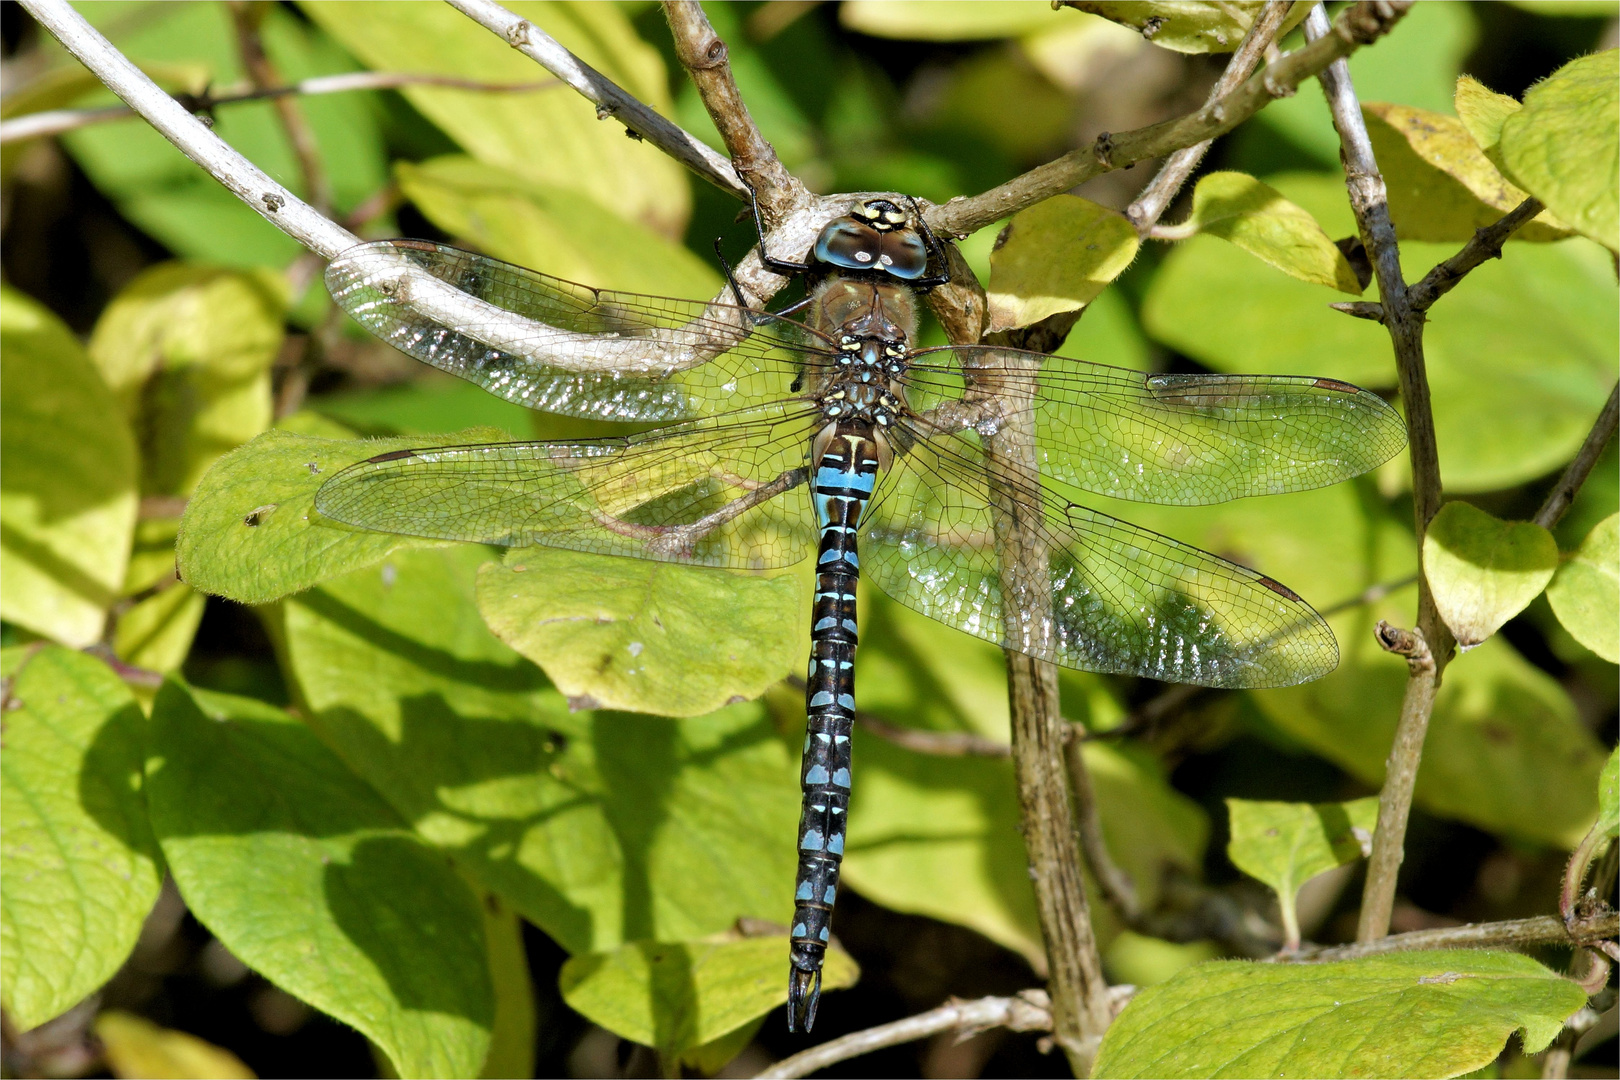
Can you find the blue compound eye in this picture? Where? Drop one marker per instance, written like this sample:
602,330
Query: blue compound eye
904,255
849,244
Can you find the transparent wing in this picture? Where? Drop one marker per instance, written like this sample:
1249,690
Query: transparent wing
651,358
1110,597
707,492
1175,439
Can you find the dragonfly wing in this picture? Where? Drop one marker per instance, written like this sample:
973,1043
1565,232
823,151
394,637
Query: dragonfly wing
583,352
1112,597
1177,439
705,493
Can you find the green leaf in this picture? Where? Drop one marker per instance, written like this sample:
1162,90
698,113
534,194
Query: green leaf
1055,256
1441,186
1185,25
1609,794
67,480
79,869
597,827
187,349
1505,750
251,533
303,872
1484,570
1255,217
1439,1013
1285,844
551,135
645,636
1482,111
1564,145
1585,593
945,20
677,996
137,1047
551,227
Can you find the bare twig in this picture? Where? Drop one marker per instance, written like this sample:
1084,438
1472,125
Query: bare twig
707,60
1563,493
1537,930
1426,661
1029,1011
1485,244
241,177
1153,200
1371,595
246,17
610,99
56,121
1360,24
1116,886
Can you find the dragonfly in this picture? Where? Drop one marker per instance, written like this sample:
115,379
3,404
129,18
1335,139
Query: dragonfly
777,439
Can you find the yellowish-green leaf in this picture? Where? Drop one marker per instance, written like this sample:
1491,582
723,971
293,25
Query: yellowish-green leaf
677,996
551,227
550,134
138,1048
1255,217
946,20
1416,1014
1482,111
1484,570
251,532
1585,593
1056,256
1187,26
156,633
187,349
1285,844
1564,145
644,636
79,868
67,479
1442,187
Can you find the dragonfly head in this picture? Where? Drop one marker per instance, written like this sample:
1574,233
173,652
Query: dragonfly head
876,236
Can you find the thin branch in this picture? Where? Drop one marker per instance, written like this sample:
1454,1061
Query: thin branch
937,743
1030,1011
1428,653
56,121
1360,24
1371,595
1486,244
1563,493
1159,193
1116,886
609,98
707,61
241,177
246,17
1538,930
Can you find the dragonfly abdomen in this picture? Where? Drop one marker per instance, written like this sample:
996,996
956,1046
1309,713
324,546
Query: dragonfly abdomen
845,468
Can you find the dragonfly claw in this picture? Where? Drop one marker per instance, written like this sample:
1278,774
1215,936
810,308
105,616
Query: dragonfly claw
804,993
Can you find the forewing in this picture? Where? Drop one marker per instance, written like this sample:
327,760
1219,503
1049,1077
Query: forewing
650,358
707,493
1108,597
1174,439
